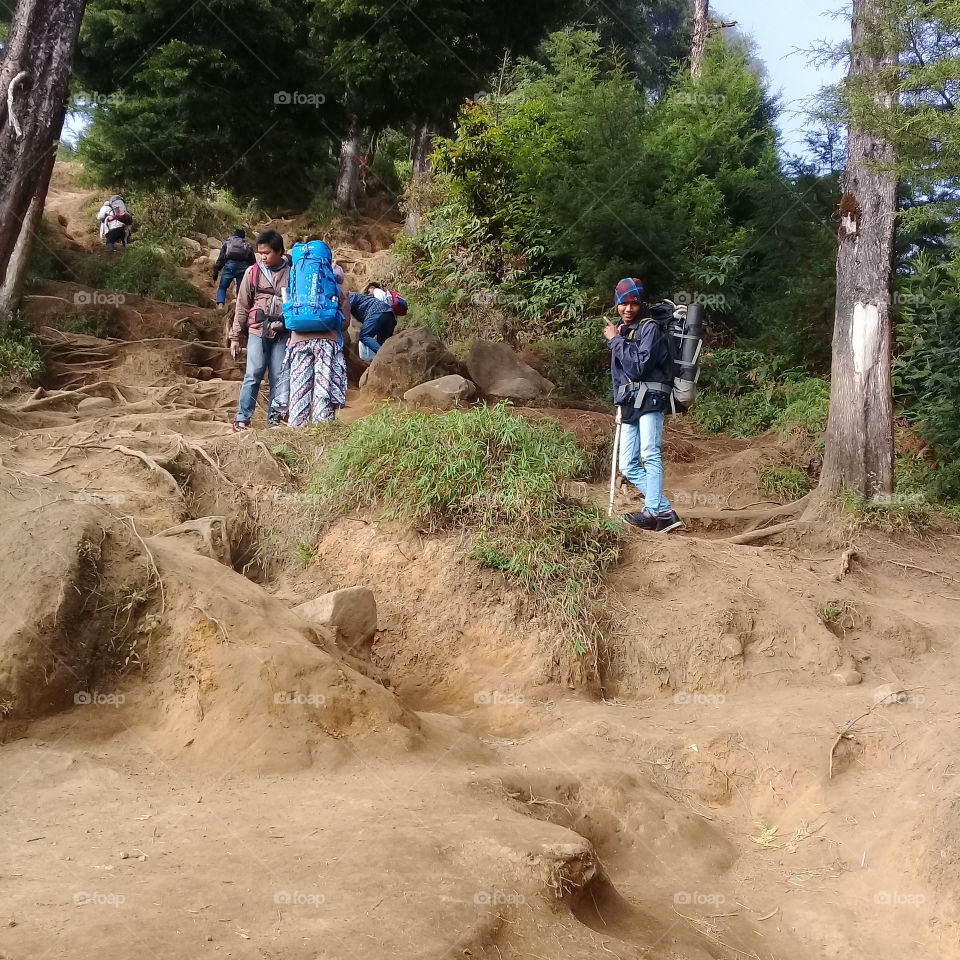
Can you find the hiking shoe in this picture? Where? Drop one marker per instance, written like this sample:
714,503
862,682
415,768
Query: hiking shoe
643,520
239,425
668,521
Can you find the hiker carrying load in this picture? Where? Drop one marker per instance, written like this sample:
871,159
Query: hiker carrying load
315,313
115,221
643,373
236,254
258,320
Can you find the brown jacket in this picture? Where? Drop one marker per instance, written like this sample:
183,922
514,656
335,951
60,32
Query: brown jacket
266,298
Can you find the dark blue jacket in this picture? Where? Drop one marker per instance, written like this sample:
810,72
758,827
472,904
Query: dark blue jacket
366,308
646,358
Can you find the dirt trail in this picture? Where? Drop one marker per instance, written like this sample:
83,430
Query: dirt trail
190,769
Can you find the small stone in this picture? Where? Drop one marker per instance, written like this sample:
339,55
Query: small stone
889,694
204,373
730,646
124,855
848,676
95,403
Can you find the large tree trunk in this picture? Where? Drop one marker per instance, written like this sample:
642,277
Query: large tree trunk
348,181
859,451
37,63
701,30
11,290
420,179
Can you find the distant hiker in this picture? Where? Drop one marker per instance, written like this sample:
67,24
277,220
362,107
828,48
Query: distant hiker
641,368
377,319
236,254
315,313
258,318
115,220
397,303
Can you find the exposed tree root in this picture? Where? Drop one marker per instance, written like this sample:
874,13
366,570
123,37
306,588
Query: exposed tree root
752,536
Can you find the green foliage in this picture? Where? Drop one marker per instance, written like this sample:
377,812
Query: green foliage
784,483
578,363
892,514
744,392
94,324
20,359
44,263
145,269
496,476
288,456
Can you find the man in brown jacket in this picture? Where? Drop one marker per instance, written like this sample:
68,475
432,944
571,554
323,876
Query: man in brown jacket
259,317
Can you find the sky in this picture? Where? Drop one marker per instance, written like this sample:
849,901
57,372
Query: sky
780,28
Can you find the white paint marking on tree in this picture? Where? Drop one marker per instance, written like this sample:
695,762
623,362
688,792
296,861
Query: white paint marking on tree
865,337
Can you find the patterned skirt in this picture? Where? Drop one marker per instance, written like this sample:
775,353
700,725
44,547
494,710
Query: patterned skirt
318,381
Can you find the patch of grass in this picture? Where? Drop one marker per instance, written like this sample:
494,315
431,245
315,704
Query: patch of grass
830,612
893,513
305,554
97,324
499,478
784,483
284,453
20,359
807,405
146,269
44,263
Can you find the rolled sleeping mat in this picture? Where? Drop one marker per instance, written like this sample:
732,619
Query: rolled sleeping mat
688,364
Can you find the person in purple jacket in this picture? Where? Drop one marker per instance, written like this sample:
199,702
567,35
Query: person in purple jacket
642,372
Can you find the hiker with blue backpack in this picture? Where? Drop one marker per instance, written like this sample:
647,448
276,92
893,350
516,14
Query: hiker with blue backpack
315,313
642,367
258,319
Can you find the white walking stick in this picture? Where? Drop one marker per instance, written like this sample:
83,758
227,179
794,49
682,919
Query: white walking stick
613,466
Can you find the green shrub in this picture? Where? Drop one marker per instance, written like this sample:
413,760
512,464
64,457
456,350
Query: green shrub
146,269
578,363
20,359
497,476
744,392
784,483
101,325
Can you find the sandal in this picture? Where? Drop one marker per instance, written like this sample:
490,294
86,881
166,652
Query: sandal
239,425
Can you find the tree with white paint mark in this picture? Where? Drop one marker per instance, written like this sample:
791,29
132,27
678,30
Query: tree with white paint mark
859,450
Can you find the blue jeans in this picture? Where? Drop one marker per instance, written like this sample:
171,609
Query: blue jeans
264,355
641,459
377,330
232,270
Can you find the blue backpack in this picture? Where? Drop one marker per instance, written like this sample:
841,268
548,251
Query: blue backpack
314,294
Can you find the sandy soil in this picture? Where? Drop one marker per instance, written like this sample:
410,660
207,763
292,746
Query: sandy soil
190,769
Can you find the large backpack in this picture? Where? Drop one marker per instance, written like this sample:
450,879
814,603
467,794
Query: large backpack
682,329
119,210
238,249
313,304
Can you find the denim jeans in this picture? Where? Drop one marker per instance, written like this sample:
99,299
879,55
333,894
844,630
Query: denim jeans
376,331
641,459
232,270
263,356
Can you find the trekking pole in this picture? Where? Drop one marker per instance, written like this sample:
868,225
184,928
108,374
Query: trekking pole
613,465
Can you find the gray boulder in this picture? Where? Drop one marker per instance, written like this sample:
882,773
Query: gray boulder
406,360
444,393
501,375
350,614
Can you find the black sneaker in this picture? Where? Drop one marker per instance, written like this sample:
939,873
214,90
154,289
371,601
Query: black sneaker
643,521
668,521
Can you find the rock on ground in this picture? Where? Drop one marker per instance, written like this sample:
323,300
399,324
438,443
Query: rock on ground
351,614
444,393
501,375
407,359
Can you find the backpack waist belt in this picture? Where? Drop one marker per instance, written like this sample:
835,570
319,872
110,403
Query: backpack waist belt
641,390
